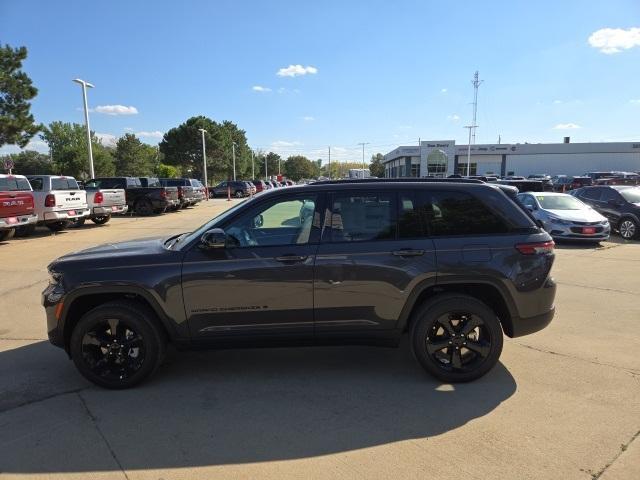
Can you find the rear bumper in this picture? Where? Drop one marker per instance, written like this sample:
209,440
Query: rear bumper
61,215
525,326
109,210
18,221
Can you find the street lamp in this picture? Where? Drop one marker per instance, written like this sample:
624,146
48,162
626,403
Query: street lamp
253,166
86,121
233,149
204,162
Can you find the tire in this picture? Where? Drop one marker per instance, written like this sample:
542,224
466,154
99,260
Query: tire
7,234
101,220
628,228
438,340
239,194
25,230
143,207
159,211
103,359
78,222
58,226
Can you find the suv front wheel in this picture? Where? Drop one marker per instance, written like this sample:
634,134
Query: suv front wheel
117,345
456,338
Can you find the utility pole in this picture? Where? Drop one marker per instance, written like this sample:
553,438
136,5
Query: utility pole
233,151
266,176
253,166
363,144
329,162
86,121
204,162
472,128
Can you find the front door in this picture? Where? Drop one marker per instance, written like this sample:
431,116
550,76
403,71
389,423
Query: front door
261,284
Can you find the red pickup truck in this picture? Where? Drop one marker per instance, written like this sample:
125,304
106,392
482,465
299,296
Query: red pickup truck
16,205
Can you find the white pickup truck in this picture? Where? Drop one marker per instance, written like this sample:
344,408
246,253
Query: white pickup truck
103,202
58,200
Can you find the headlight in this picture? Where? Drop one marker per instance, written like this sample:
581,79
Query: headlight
604,222
559,221
55,278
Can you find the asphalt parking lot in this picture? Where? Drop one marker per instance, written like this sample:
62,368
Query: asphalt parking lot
562,403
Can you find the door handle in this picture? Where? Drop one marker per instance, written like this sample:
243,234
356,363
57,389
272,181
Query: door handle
292,258
409,252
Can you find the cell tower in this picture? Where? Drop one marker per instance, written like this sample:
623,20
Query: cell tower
472,128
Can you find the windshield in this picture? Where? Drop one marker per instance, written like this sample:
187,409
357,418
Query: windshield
631,195
559,202
213,222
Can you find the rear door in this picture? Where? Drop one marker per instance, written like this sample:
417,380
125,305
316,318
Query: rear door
610,205
365,268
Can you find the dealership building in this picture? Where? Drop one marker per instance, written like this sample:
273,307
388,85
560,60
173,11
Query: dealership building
443,157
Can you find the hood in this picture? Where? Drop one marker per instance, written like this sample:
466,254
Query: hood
582,215
117,251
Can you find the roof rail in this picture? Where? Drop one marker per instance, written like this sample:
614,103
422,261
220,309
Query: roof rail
398,180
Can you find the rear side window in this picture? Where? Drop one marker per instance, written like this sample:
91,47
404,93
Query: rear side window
358,217
63,183
14,184
36,184
459,213
609,194
592,193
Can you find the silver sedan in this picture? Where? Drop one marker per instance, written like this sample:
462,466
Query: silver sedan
565,217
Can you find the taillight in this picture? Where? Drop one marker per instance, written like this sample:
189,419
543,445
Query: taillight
50,200
163,193
98,197
536,248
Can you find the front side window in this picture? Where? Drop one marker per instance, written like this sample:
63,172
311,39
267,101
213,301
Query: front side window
290,221
357,217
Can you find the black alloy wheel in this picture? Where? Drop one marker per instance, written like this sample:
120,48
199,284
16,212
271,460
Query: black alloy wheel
456,338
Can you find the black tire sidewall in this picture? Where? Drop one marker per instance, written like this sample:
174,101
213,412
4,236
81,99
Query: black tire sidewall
58,226
432,310
103,219
139,320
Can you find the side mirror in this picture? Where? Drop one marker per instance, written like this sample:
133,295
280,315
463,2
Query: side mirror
214,238
258,221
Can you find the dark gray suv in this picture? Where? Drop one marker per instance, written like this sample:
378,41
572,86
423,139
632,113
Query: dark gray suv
454,264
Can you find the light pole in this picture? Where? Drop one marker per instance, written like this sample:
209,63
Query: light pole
253,166
233,150
363,144
204,162
86,121
266,176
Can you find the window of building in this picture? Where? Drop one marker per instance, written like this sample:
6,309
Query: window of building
415,170
361,217
437,163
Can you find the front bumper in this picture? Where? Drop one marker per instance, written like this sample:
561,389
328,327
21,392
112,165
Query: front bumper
576,231
61,215
18,221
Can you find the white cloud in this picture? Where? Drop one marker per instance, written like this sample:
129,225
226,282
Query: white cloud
566,126
260,88
115,110
444,90
296,70
151,134
308,118
453,118
557,102
615,40
37,145
284,143
107,139
635,101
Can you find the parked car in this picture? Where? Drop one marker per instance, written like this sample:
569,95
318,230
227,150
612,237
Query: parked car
199,189
270,184
564,184
619,204
524,185
58,201
361,269
103,202
234,188
252,188
565,217
186,192
260,185
16,206
173,200
141,200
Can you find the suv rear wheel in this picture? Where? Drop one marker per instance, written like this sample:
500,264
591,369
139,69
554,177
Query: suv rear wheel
117,345
456,338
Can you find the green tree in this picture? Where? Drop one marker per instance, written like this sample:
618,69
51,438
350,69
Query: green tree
68,145
376,167
134,158
17,125
339,169
30,162
298,167
166,171
182,148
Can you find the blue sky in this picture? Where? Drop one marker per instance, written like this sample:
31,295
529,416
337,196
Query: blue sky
381,72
